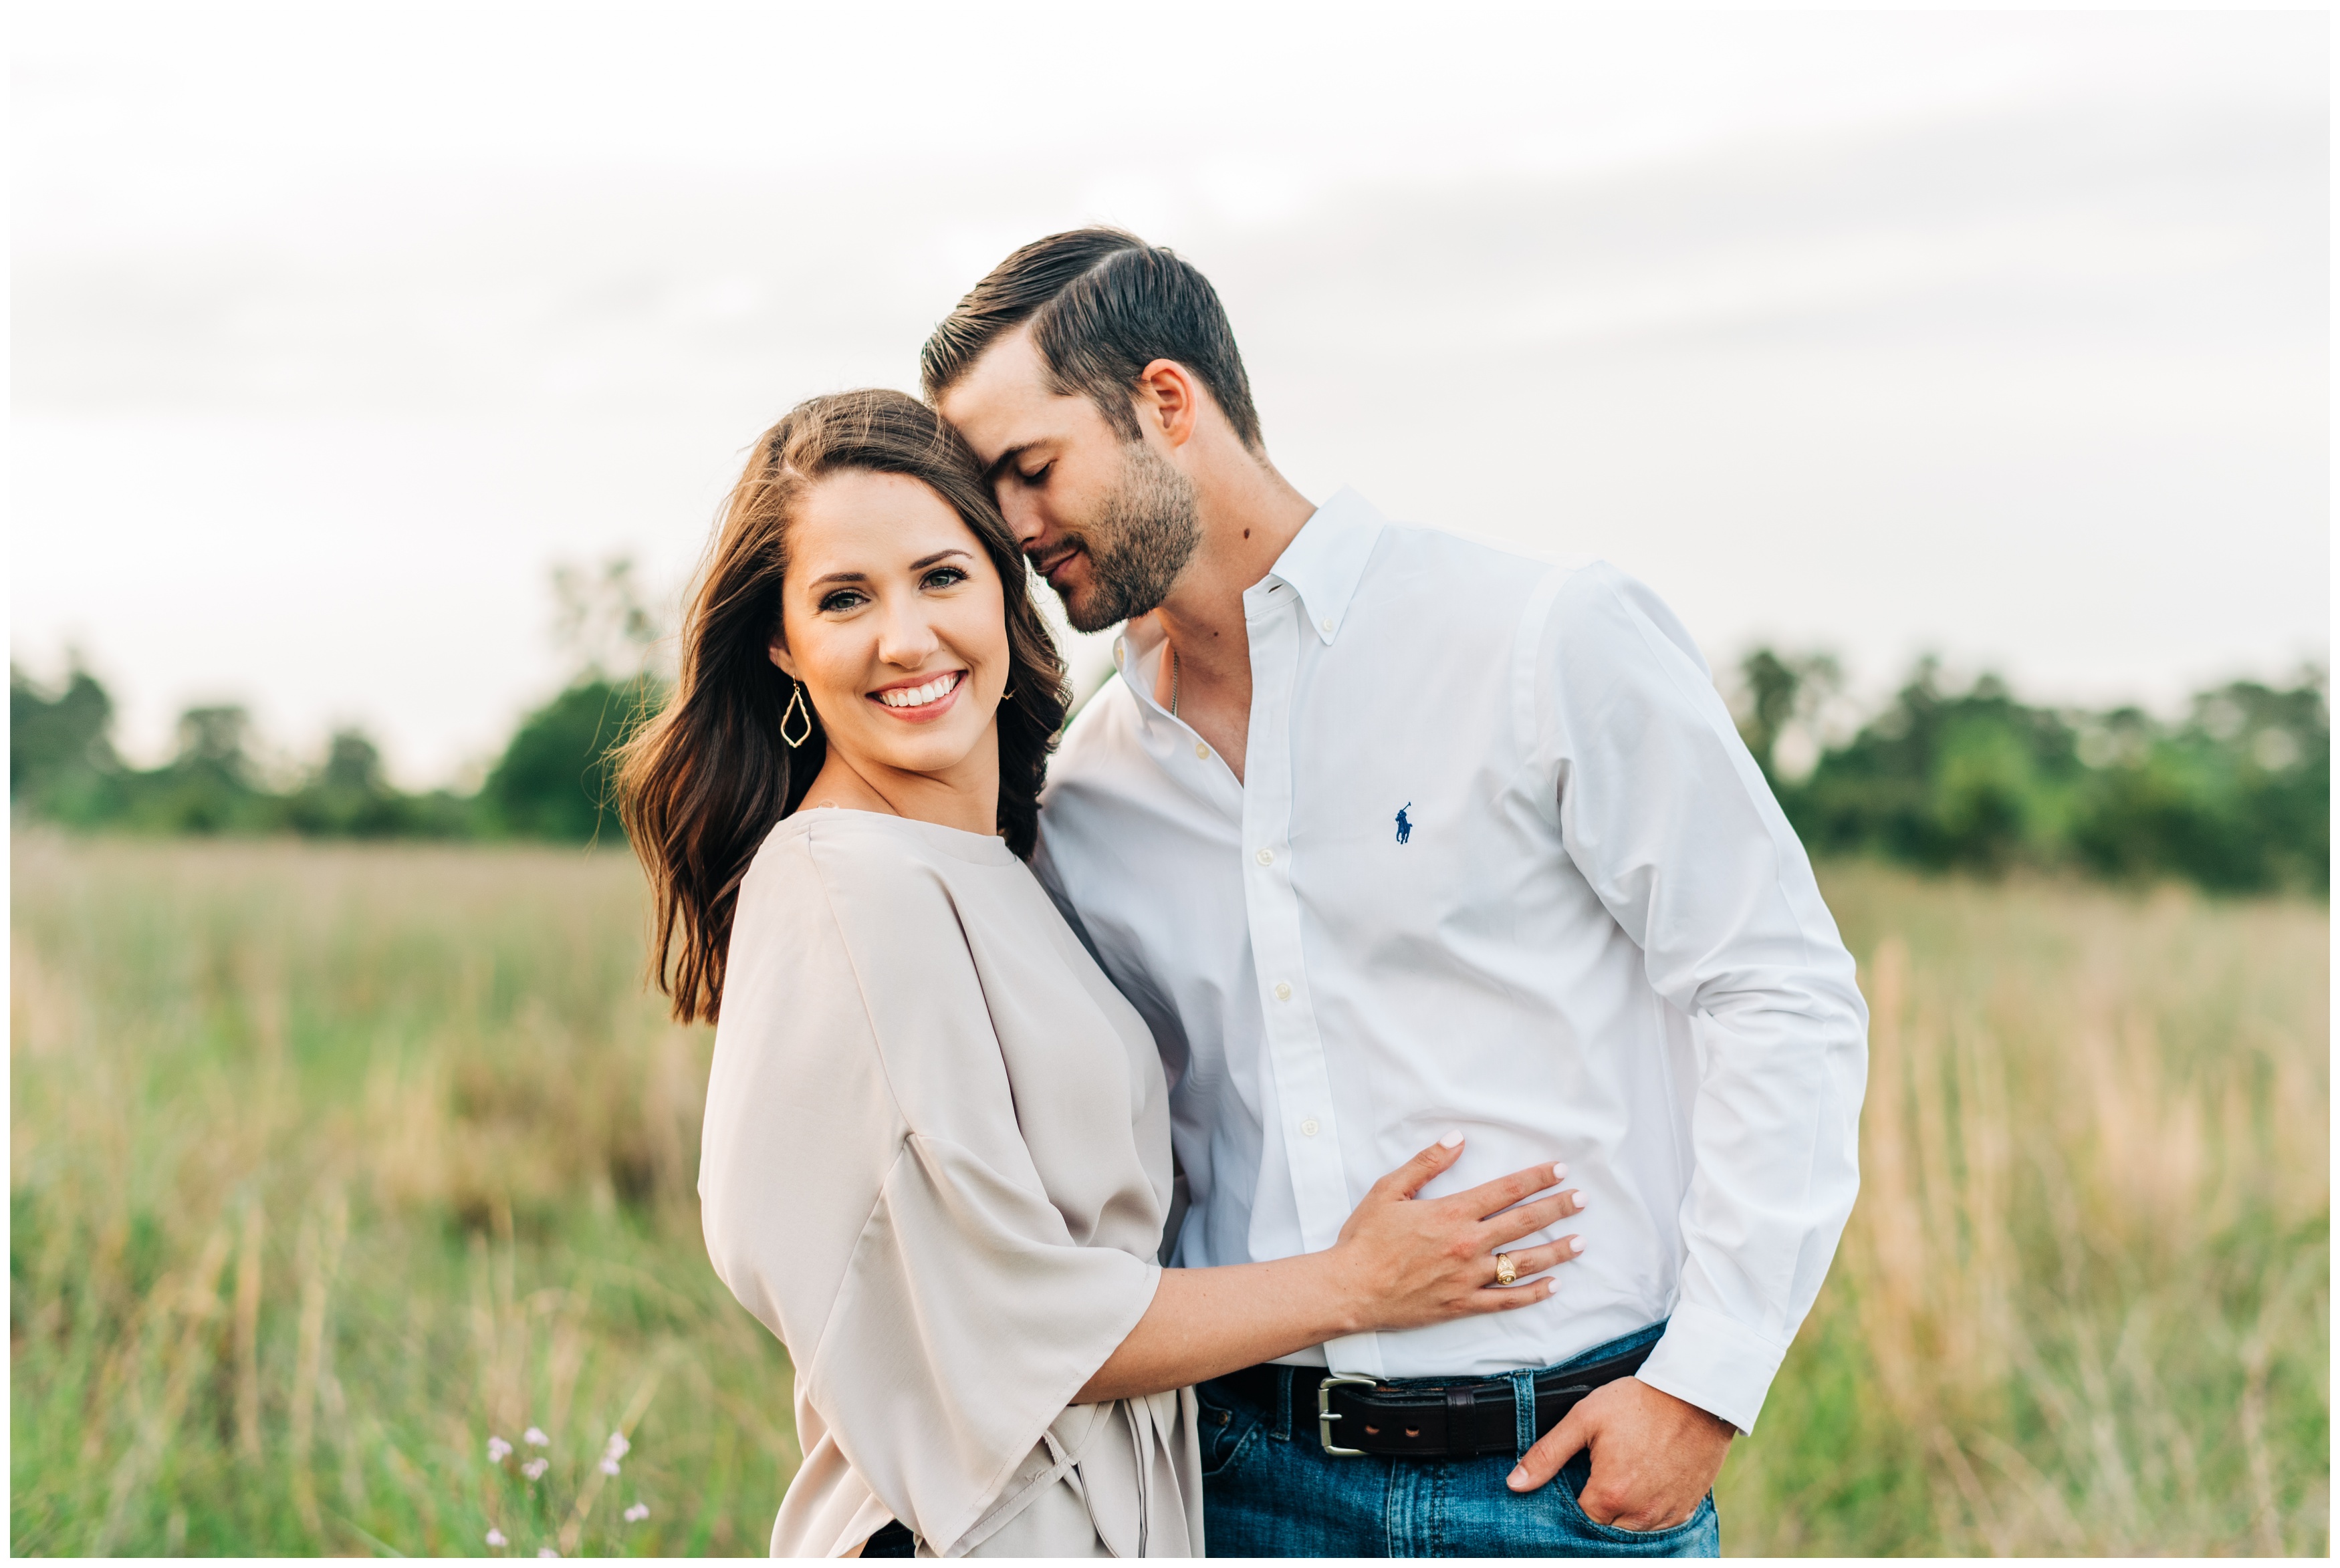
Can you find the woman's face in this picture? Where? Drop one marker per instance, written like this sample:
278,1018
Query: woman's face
893,617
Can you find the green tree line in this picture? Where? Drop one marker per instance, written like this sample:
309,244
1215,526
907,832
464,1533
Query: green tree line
2235,795
552,781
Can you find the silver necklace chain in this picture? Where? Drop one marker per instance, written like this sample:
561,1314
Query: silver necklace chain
1173,683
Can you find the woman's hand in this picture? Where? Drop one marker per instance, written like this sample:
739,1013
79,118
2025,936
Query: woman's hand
1404,1261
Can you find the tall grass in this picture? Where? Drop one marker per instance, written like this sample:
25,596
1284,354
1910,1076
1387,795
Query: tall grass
2083,1302
329,1165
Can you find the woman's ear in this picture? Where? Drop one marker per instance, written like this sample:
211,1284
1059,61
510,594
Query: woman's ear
778,651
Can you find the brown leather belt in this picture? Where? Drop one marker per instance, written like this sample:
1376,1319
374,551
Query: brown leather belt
1421,1419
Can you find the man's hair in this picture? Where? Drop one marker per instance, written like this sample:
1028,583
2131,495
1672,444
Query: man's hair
1104,305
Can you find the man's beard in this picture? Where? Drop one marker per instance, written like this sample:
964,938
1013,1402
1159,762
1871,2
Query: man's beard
1138,543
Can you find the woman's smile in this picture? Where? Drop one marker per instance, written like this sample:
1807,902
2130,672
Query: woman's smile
921,698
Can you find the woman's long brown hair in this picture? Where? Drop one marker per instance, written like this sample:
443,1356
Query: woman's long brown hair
702,783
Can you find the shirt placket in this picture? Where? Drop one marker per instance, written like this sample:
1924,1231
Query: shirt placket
1311,1134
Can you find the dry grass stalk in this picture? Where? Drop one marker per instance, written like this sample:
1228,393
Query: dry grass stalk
323,1232
565,1358
247,1335
637,1405
198,1302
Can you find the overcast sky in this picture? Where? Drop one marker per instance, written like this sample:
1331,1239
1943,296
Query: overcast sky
1999,335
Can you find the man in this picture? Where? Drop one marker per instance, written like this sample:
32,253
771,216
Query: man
1387,833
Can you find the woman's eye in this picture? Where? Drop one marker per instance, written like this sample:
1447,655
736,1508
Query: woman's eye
842,600
944,577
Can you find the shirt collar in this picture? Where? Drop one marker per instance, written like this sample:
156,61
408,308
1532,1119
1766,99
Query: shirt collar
1327,558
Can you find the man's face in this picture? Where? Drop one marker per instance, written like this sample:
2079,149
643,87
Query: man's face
1109,523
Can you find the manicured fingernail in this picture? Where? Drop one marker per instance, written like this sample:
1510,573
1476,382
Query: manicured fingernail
1582,1199
1519,1478
1560,1173
1575,1245
1452,1139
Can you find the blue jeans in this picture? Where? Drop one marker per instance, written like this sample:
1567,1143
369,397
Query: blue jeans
1270,1490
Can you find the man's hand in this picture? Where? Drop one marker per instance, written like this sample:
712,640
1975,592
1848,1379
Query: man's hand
1653,1455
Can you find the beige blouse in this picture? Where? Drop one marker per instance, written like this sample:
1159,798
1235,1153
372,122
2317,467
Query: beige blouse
937,1164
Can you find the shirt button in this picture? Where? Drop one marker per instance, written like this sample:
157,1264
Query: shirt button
1282,991
1308,1129
1328,626
1268,857
1200,750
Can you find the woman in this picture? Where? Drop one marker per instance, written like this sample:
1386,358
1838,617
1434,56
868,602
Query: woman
937,1158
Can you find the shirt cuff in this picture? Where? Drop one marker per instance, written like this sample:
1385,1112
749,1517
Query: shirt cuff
1715,1362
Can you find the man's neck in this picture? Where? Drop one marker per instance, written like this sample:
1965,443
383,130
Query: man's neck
1250,514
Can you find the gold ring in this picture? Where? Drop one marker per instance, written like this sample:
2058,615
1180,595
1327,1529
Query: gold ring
1505,1270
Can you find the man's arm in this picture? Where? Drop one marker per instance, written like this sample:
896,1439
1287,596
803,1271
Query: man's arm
1668,818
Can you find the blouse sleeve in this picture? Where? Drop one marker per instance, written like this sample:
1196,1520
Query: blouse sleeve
946,1317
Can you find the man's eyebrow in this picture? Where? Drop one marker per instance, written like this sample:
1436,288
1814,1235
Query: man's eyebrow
999,464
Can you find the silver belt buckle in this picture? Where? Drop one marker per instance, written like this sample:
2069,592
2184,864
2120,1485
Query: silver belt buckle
1327,1415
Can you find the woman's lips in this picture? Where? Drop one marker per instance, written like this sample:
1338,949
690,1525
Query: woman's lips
920,700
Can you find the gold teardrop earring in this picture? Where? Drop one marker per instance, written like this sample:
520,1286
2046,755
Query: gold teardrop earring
796,710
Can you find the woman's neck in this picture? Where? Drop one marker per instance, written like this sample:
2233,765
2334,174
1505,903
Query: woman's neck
965,795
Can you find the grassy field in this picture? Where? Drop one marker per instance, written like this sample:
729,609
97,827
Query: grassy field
328,1164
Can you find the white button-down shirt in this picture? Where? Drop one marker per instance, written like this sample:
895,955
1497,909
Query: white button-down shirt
1500,862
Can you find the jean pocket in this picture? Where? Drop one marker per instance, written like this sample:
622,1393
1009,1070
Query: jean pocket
1224,1430
1571,1480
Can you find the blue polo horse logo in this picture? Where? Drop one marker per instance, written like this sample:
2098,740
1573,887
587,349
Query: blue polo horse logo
1404,828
